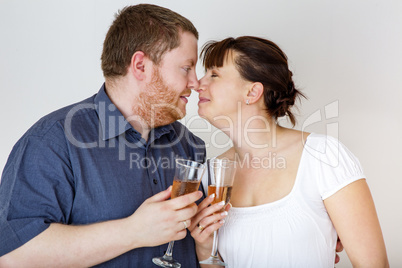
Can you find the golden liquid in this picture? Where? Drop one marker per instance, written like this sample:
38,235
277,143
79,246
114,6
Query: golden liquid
222,193
184,187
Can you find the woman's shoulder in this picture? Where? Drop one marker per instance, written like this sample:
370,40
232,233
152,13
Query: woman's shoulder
323,143
330,153
229,154
294,135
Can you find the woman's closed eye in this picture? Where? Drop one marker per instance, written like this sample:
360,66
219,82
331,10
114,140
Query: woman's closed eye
213,74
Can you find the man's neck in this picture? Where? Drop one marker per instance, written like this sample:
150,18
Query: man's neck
122,97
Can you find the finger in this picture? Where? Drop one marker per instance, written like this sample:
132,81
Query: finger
205,222
339,246
208,212
228,207
186,213
187,223
184,200
218,207
337,259
180,235
206,202
162,196
182,225
178,226
203,235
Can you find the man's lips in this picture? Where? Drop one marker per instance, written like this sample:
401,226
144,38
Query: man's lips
184,98
202,100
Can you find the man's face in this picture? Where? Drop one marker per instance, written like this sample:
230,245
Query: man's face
165,96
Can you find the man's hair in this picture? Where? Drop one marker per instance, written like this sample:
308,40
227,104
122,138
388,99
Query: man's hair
151,29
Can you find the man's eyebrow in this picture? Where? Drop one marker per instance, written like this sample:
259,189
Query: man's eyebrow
191,62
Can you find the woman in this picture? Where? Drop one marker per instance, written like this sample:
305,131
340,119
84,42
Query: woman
294,192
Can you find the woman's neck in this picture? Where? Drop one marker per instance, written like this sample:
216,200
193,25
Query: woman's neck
254,136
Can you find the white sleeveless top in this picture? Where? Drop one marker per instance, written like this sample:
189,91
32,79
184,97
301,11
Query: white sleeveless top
296,230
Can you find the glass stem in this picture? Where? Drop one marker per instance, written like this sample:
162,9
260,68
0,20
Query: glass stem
215,245
169,250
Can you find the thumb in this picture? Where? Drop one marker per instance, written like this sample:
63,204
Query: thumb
228,206
162,196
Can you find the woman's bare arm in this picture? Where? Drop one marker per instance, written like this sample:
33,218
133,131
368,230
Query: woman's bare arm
353,214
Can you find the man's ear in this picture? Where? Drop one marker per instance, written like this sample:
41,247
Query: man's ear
137,65
255,92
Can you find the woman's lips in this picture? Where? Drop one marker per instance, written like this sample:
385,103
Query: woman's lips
202,100
184,99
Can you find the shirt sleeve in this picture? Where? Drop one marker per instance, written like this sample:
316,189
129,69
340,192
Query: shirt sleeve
338,167
204,180
36,189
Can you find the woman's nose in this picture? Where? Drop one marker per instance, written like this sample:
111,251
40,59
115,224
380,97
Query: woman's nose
194,83
201,85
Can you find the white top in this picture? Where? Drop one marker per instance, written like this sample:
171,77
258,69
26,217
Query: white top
296,230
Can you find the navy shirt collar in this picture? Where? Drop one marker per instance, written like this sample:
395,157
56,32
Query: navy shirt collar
113,123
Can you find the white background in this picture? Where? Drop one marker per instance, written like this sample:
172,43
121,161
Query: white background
346,57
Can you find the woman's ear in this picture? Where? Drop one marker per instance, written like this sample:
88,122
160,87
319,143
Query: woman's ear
137,65
255,92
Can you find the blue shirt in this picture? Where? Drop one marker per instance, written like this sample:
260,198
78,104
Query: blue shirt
84,164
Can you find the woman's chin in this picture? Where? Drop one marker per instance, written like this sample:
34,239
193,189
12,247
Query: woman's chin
202,114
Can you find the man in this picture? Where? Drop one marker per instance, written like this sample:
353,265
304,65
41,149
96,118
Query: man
86,184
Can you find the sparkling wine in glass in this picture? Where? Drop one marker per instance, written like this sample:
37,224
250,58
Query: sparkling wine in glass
222,172
222,193
187,179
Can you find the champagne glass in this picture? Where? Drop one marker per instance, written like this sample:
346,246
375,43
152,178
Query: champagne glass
222,172
186,180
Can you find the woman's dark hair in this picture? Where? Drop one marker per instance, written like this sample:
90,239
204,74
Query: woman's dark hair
258,60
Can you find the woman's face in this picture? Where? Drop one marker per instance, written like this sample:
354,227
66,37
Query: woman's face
222,91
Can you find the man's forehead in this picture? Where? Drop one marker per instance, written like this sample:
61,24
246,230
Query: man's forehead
186,52
191,62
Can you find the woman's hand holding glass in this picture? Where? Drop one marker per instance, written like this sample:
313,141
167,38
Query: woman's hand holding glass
203,225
